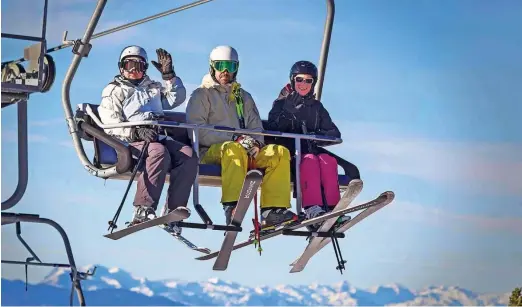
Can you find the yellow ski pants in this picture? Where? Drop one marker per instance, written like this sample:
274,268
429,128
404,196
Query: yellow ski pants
275,159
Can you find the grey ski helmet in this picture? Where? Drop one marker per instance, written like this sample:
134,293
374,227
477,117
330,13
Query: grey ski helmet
133,51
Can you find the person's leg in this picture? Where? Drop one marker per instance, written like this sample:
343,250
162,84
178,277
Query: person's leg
310,181
151,180
275,189
329,179
234,162
183,172
312,199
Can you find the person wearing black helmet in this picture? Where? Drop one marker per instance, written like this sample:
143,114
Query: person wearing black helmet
297,111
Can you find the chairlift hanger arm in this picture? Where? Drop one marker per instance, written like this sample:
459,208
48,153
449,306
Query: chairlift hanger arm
68,43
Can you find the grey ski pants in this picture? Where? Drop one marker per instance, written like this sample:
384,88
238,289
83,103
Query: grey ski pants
161,158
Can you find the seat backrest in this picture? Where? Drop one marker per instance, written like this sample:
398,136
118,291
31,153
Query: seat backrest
103,154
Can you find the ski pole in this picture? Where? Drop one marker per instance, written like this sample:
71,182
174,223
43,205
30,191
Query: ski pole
112,224
257,237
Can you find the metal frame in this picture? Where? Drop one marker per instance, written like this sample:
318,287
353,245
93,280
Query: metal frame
9,218
8,87
85,44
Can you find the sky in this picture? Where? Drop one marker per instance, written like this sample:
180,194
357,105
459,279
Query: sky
426,94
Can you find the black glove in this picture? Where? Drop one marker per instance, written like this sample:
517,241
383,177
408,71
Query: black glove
165,64
145,134
293,103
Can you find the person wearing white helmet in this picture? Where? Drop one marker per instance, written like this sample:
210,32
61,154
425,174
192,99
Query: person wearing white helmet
220,100
133,96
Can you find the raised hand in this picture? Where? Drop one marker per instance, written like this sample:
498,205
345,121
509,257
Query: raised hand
165,64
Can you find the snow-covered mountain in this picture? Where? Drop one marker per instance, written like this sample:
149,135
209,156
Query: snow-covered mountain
115,281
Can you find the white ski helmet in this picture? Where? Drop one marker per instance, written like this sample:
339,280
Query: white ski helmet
224,53
133,51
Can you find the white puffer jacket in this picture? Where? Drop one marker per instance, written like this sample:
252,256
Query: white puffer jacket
124,102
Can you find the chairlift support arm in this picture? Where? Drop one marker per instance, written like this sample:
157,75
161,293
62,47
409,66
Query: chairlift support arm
9,218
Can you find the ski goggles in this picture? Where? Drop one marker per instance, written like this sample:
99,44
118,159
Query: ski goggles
221,66
305,80
132,65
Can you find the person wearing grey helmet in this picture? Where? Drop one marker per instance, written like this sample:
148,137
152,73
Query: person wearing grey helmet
133,96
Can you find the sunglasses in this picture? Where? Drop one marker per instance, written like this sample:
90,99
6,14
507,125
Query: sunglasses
221,66
307,80
134,65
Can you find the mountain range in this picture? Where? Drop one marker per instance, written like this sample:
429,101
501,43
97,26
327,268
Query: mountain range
115,286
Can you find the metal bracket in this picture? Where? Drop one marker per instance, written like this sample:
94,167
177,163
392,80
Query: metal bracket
81,49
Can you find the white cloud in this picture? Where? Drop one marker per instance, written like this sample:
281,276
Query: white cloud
409,211
11,136
484,167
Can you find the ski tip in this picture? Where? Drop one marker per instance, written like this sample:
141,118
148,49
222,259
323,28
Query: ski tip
255,172
203,250
296,269
390,196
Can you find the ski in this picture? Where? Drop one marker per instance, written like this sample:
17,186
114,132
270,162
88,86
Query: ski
354,188
186,242
252,182
171,217
297,226
299,264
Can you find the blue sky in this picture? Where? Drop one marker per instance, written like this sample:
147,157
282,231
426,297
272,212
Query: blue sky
427,96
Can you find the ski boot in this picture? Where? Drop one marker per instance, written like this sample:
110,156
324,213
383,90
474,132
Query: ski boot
316,211
313,212
272,218
142,214
173,227
229,209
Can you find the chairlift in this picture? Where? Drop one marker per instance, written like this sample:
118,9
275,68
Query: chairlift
113,159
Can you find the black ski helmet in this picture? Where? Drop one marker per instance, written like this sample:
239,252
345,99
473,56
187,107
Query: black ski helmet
303,67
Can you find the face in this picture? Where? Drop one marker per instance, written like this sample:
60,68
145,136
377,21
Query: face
223,77
133,70
303,83
225,70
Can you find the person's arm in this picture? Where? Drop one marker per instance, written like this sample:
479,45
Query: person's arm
198,109
279,119
173,94
110,111
327,126
253,119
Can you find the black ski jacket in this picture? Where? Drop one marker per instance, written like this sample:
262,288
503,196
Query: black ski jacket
288,115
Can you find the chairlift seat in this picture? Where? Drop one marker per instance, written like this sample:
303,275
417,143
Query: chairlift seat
106,156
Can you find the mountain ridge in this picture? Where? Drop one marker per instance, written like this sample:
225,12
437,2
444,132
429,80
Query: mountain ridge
216,291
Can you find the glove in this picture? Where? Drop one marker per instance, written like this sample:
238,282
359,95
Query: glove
165,64
251,145
293,103
145,134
